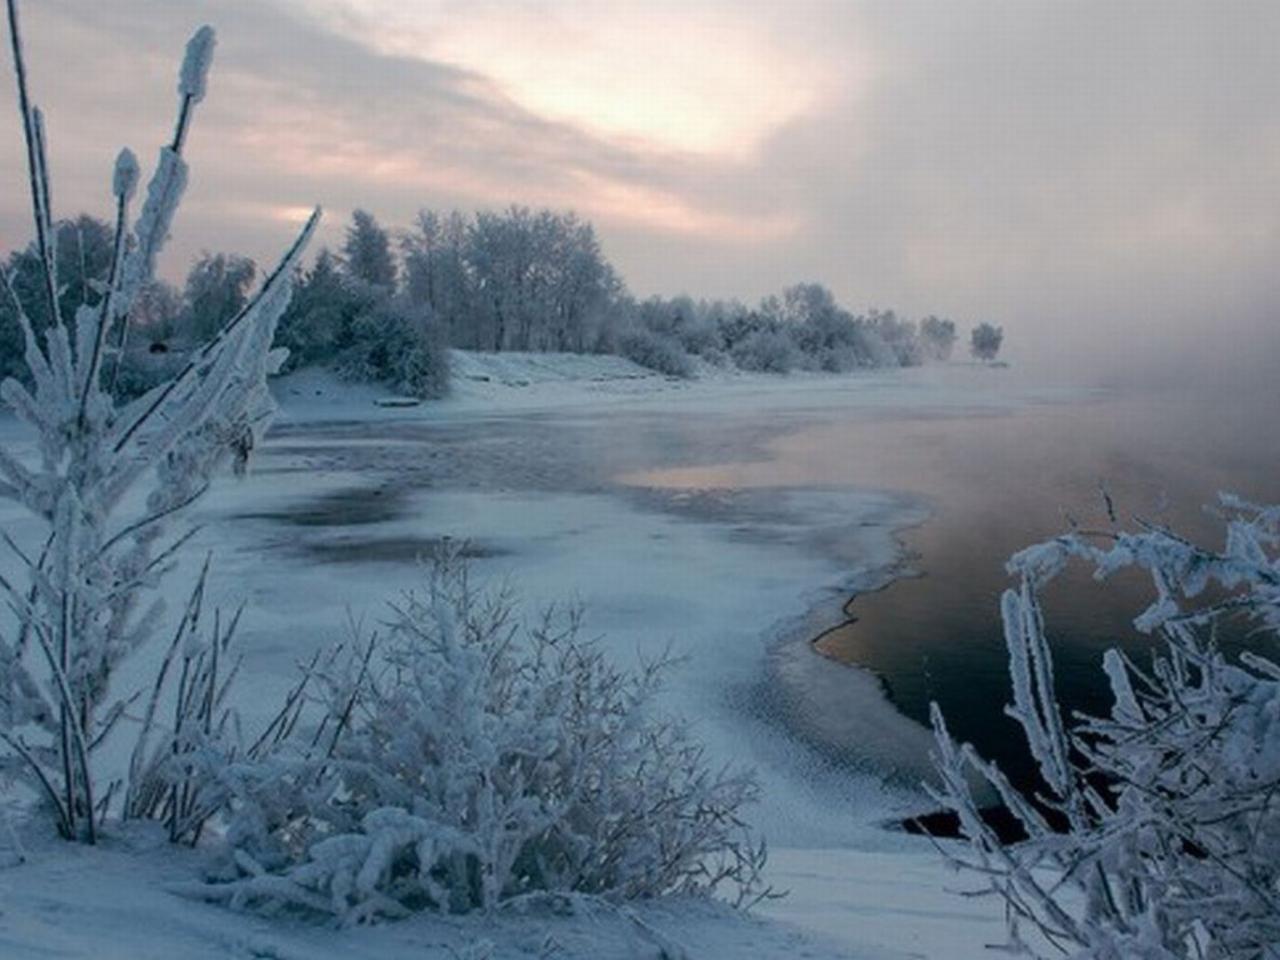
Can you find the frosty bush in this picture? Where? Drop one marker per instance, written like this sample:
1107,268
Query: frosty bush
464,761
1170,806
767,350
176,767
107,480
655,351
401,345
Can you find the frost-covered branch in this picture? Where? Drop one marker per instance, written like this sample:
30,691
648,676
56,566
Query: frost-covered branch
1160,835
111,480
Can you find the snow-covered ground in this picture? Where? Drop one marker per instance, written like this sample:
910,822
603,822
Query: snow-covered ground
540,463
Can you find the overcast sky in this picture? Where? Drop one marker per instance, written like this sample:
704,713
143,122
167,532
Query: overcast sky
1077,171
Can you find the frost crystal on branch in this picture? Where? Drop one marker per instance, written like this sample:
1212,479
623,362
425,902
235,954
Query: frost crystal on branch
125,180
195,65
110,479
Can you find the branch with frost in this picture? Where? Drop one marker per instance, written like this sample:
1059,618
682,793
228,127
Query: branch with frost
110,480
1167,840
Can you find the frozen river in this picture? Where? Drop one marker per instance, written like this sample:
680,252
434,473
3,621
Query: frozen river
730,522
684,518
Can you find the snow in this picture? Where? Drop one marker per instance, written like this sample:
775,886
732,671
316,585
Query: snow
116,902
523,461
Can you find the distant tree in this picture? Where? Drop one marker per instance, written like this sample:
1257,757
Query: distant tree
83,255
985,340
319,323
682,321
217,289
898,335
436,275
399,344
157,311
539,280
366,252
937,338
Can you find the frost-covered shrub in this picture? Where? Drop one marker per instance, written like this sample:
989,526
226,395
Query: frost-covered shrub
1167,841
463,760
699,337
655,351
898,336
683,321
401,345
107,480
188,733
767,350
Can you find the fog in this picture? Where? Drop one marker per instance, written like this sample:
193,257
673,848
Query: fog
1098,177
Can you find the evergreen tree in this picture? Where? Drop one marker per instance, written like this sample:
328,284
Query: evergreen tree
366,252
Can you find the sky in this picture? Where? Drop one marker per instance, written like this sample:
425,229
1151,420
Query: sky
1101,177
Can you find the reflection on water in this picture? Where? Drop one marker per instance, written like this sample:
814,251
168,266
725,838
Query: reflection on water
995,483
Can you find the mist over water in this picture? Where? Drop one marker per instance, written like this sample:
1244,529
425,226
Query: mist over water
994,482
995,485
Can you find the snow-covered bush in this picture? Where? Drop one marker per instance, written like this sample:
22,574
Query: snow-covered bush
767,350
682,320
107,481
1159,834
464,760
655,351
398,344
178,760
898,336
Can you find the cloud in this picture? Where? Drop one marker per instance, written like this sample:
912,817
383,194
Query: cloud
1084,173
678,76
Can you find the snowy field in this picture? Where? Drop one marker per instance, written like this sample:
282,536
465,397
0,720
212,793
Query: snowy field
539,463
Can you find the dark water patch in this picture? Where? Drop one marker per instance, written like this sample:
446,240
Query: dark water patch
395,550
997,487
352,507
580,453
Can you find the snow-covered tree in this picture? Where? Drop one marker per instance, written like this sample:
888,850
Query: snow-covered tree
937,338
436,274
107,480
985,341
394,342
83,258
366,253
1158,834
318,324
217,289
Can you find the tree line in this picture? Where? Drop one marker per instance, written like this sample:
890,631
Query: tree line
387,307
